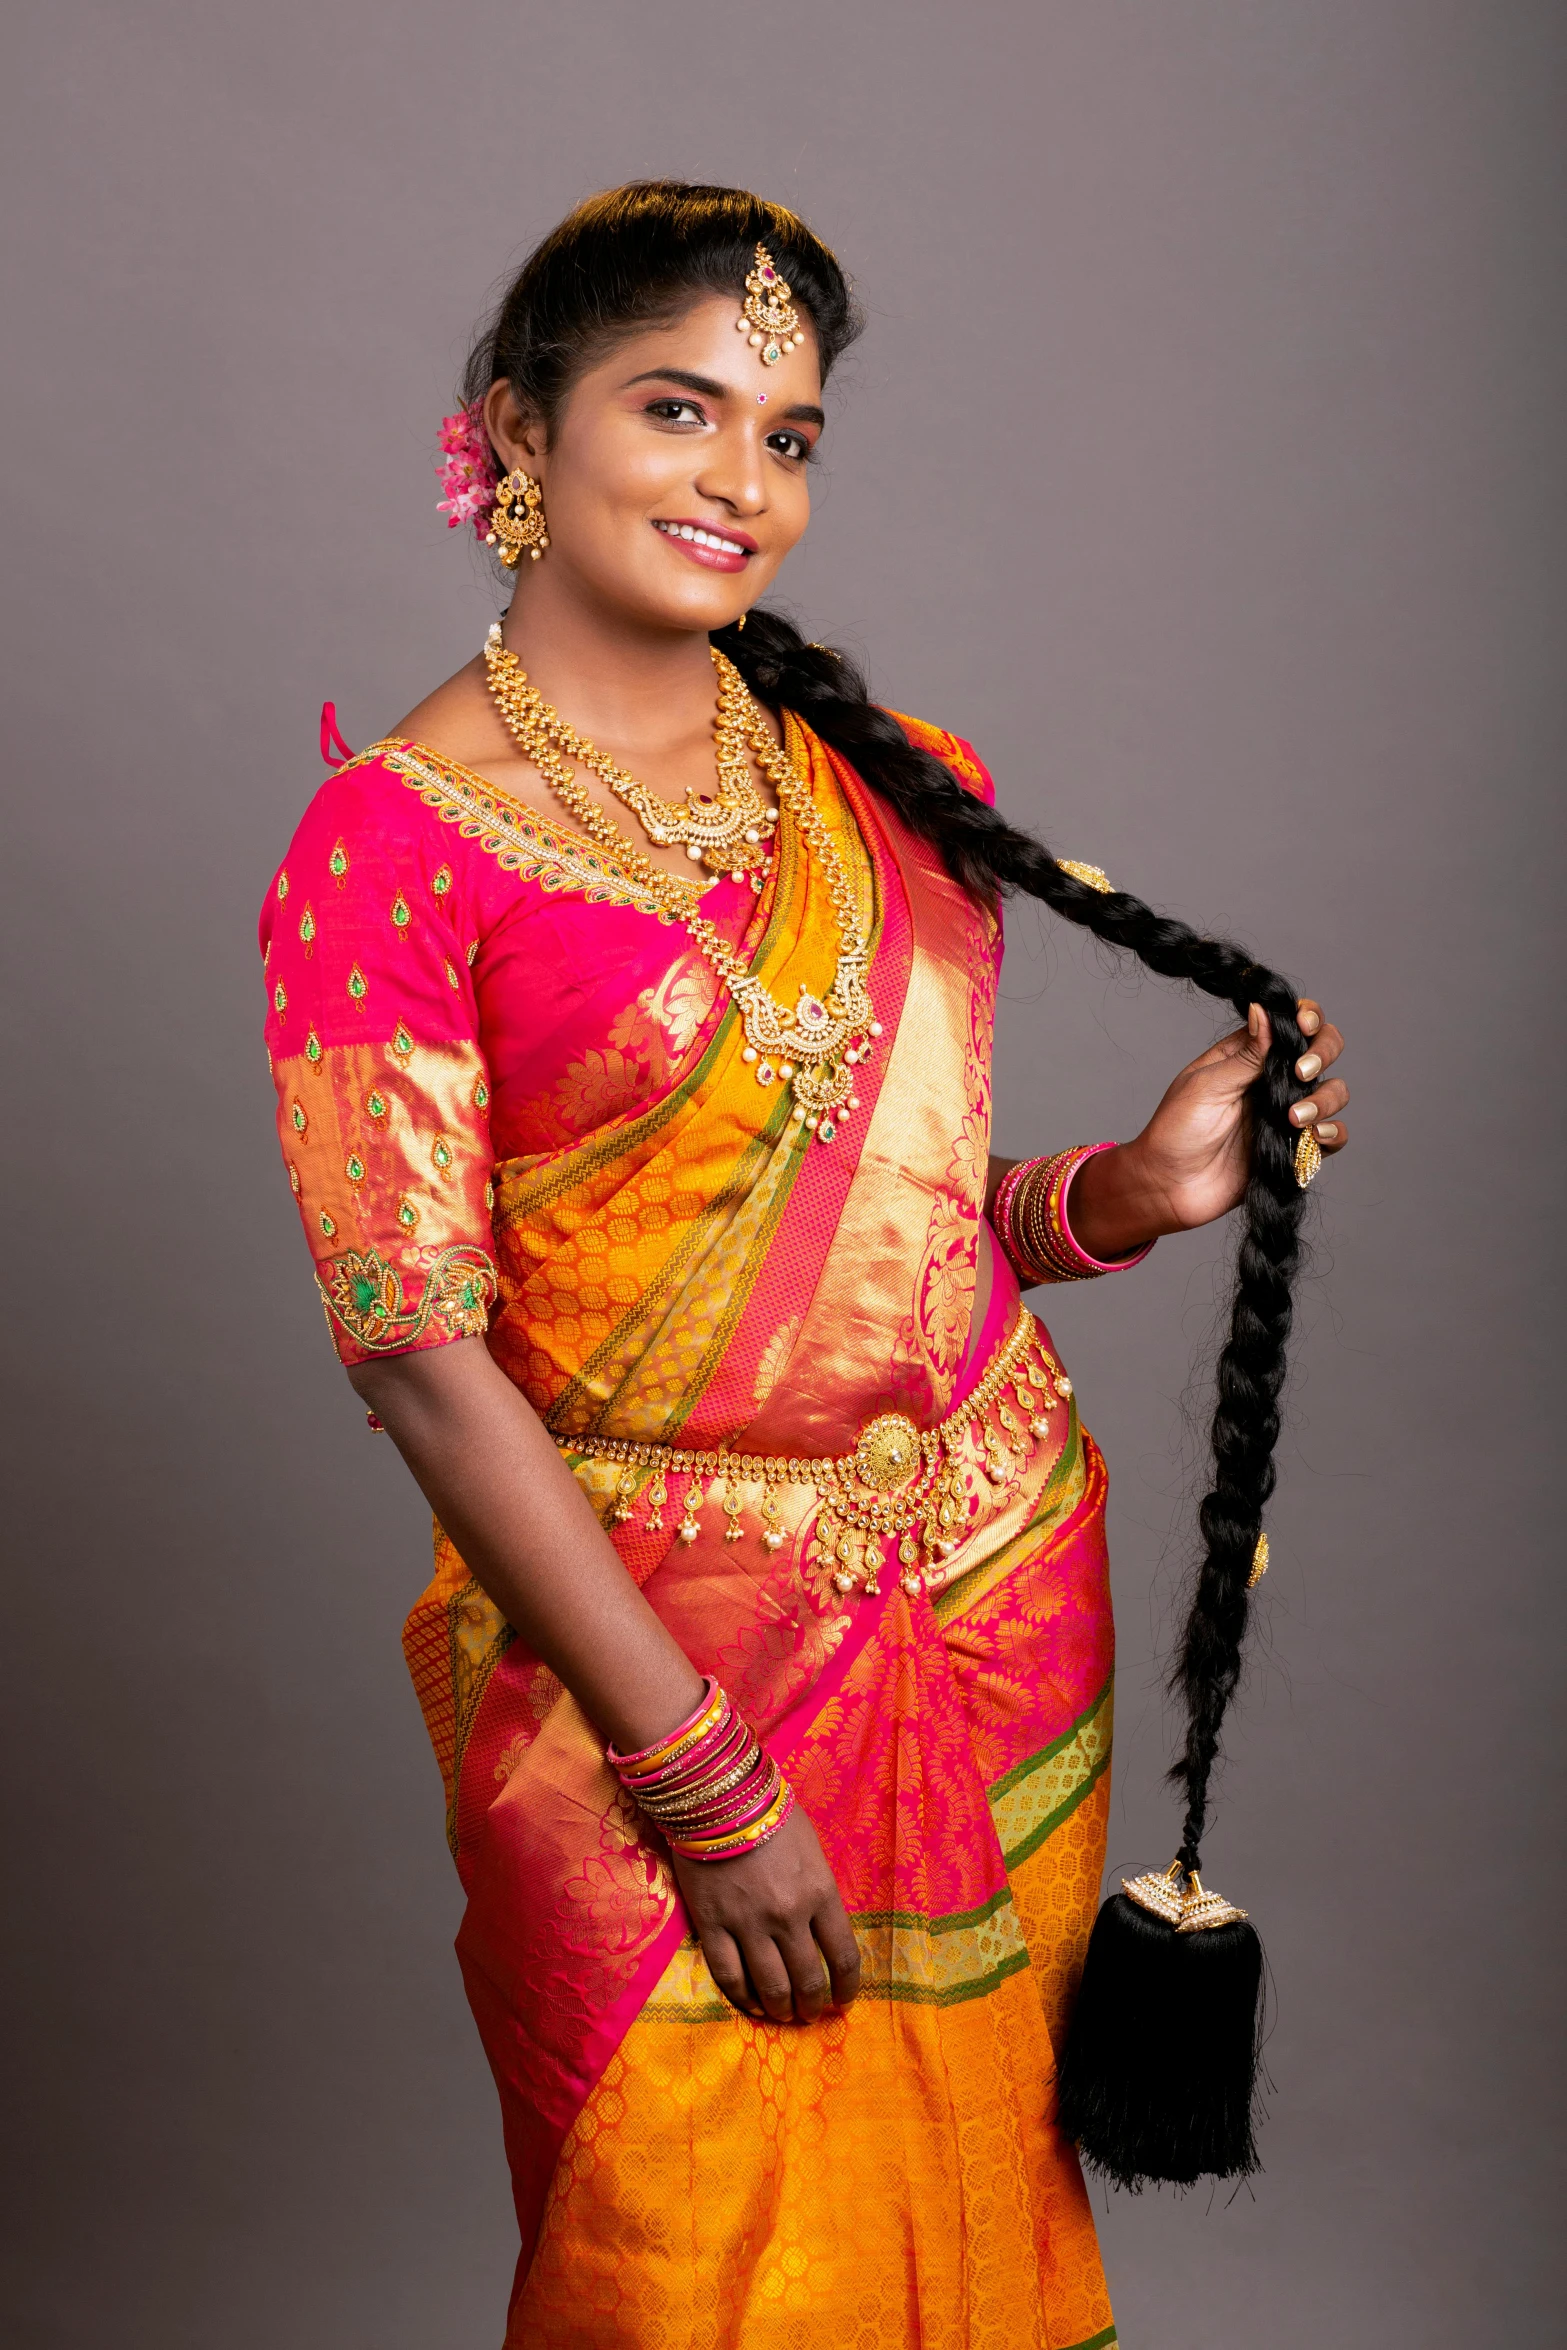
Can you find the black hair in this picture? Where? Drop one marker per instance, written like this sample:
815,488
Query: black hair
633,256
644,252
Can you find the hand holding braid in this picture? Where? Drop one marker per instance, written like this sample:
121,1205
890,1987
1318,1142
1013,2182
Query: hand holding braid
991,857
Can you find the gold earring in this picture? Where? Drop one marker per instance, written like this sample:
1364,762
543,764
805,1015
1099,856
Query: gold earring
517,526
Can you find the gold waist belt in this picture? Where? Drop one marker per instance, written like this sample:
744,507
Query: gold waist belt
898,1478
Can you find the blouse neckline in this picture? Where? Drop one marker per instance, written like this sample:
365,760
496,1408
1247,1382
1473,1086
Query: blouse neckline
575,847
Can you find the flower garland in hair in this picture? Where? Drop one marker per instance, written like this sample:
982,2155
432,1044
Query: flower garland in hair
469,473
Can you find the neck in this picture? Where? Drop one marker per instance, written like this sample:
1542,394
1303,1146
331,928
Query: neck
612,677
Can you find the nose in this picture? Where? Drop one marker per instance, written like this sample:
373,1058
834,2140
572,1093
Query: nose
732,472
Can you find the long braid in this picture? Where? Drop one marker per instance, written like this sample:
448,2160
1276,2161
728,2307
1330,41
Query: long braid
988,855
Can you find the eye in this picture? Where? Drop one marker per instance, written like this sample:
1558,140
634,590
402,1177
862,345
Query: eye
672,411
790,444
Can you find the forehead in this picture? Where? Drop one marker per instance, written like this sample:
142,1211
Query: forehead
704,339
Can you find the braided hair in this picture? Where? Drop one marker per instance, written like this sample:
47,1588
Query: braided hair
644,252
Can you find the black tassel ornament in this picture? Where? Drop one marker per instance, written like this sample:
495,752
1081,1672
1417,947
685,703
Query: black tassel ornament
1158,2080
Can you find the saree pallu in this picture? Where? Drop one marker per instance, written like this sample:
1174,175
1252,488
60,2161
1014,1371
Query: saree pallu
697,1271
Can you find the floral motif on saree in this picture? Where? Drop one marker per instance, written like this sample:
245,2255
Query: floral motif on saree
671,1264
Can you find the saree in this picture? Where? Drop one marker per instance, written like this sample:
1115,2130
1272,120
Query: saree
513,1102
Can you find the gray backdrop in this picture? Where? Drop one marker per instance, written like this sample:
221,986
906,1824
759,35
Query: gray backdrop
1203,462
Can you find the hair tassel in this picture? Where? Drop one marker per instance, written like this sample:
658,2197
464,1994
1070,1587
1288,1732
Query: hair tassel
1159,2078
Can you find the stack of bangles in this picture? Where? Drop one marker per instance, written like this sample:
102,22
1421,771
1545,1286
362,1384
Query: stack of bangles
711,1786
1030,1220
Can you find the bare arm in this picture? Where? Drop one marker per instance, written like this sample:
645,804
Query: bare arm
528,1534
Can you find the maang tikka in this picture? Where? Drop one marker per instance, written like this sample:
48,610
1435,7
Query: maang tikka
769,321
517,526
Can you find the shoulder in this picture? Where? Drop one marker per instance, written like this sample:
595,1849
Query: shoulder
954,753
376,814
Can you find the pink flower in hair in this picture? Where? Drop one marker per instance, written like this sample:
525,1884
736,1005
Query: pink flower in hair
468,474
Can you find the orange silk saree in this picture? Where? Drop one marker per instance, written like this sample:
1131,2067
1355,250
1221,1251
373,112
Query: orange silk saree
661,1255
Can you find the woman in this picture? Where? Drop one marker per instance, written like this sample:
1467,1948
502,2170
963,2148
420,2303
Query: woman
636,1101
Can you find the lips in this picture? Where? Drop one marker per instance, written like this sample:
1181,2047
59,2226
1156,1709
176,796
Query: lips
700,542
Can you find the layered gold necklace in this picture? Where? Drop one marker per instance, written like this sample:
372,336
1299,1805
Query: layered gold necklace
816,1047
728,829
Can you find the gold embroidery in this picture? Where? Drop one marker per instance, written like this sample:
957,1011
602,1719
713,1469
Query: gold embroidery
337,864
515,835
280,999
307,930
364,1290
358,985
369,1162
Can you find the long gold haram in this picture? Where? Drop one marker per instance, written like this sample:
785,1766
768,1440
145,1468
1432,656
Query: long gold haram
816,1048
729,829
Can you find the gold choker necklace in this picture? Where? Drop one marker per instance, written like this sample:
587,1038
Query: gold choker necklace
728,829
816,1047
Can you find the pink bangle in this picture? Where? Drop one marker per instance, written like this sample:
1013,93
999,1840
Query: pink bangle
712,1702
710,1785
1091,1265
1030,1220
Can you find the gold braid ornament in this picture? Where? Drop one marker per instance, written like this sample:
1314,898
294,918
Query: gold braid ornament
814,1048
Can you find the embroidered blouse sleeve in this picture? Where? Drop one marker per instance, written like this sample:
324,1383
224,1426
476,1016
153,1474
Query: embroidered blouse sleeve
383,1094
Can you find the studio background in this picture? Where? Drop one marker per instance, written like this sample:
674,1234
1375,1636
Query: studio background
1203,463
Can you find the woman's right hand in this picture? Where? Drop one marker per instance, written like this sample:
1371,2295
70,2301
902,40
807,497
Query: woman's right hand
773,1927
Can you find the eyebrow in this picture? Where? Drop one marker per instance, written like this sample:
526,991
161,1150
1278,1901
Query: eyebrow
711,389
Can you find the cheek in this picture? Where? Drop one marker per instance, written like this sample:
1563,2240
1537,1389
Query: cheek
605,500
792,510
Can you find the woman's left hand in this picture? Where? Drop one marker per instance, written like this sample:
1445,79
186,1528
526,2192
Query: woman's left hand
1190,1163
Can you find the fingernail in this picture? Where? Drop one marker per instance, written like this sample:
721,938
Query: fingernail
1254,1019
1303,1113
1328,1132
1308,1066
1310,1022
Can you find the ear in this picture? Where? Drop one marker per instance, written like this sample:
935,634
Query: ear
516,437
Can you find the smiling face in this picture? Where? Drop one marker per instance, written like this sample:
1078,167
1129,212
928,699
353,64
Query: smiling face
675,480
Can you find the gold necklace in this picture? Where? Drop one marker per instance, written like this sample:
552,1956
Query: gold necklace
728,829
814,1049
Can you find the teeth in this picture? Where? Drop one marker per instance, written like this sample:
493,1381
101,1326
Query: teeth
699,537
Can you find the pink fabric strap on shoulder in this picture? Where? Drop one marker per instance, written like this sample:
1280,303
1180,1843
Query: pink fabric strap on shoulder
331,737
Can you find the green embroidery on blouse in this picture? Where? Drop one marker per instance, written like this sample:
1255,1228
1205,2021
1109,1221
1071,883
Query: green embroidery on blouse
364,1292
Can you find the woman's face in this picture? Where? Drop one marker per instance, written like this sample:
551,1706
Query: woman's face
681,429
